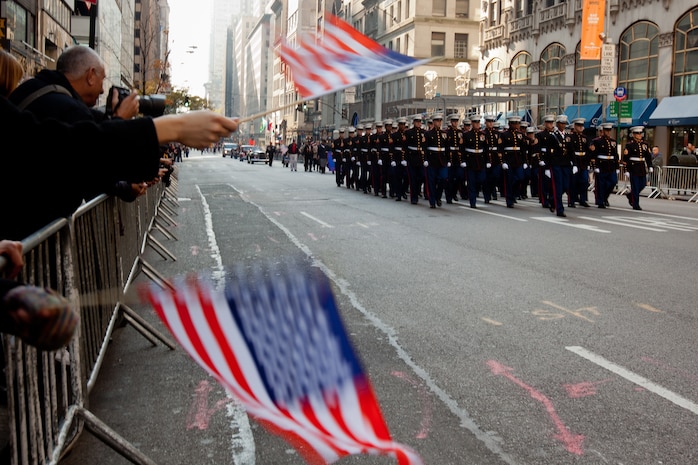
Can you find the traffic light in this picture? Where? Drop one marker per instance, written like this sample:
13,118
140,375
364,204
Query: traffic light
344,113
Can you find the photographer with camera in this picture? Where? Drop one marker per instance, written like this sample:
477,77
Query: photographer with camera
69,94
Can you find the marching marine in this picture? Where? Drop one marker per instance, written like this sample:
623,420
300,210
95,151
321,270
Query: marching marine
604,159
637,158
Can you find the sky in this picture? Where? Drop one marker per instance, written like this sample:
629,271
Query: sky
190,25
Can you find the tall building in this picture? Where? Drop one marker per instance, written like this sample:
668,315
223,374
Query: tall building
151,67
222,14
532,49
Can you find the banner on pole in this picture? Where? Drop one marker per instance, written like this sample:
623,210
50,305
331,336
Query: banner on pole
593,16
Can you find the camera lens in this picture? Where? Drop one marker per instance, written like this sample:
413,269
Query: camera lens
152,105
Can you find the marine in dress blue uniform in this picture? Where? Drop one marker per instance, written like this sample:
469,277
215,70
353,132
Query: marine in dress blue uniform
436,161
475,158
512,145
578,146
414,142
637,158
454,149
493,168
604,159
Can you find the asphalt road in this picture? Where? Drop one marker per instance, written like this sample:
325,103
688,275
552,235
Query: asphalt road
491,336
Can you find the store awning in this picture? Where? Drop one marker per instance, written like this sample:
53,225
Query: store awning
676,111
642,109
591,112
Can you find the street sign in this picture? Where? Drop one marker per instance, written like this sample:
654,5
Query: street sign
622,111
608,60
621,93
604,84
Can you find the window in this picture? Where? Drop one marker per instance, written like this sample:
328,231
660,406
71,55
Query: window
686,55
462,8
638,60
438,44
494,73
552,73
17,21
521,75
397,45
460,46
399,11
584,72
438,7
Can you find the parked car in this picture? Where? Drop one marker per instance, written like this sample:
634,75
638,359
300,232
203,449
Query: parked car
682,159
229,149
256,155
244,151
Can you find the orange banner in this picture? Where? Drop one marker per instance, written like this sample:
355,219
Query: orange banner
593,15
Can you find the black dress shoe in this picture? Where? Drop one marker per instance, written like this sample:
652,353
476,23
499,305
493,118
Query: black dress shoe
438,203
571,205
562,214
637,208
432,206
602,206
584,204
551,208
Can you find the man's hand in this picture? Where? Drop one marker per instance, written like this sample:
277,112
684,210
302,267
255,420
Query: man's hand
198,129
128,108
12,250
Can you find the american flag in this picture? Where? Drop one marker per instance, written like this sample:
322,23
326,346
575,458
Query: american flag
275,340
342,57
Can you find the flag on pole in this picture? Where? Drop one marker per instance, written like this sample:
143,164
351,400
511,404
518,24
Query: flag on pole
342,57
275,340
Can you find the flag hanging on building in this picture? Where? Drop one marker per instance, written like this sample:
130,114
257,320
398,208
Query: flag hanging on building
342,57
275,340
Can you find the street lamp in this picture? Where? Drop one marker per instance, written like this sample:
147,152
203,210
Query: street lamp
462,78
430,84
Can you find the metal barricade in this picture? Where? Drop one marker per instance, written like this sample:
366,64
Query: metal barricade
679,180
91,259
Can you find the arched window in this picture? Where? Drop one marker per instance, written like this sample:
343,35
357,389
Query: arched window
521,75
638,60
686,55
584,72
552,73
494,73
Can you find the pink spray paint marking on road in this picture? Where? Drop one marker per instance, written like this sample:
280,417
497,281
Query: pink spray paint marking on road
194,250
426,404
584,389
200,414
572,442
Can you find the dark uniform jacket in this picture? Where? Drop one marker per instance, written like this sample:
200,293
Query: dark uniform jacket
398,149
604,154
513,148
577,146
338,147
437,144
414,141
374,148
552,148
475,150
637,158
492,138
455,145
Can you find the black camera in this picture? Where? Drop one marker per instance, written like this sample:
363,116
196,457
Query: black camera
148,105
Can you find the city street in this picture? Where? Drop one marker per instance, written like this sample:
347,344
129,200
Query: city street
491,335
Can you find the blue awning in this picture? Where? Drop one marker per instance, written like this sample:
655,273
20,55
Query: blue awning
642,109
591,112
676,111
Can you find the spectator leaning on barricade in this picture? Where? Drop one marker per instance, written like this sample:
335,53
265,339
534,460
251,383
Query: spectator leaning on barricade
33,180
68,94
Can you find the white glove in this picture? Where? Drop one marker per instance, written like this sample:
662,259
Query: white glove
541,163
463,165
392,163
426,164
353,159
403,162
525,166
596,170
627,175
489,165
547,173
380,162
651,170
575,170
358,163
369,162
617,171
344,160
505,166
448,164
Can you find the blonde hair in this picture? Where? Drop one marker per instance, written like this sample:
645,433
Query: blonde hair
11,73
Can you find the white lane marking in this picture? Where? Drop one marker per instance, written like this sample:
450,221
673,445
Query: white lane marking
322,223
483,211
362,225
620,223
487,439
635,378
242,441
564,222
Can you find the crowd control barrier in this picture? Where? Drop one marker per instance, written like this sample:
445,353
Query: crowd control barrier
91,258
